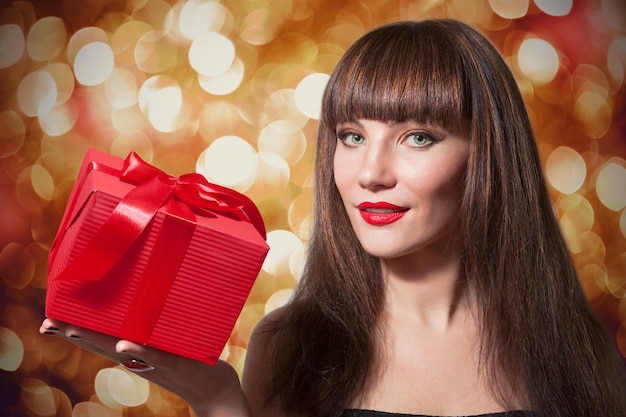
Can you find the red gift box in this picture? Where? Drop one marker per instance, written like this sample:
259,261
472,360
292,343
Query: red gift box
163,261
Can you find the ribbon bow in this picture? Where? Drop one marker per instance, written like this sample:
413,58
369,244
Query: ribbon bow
195,190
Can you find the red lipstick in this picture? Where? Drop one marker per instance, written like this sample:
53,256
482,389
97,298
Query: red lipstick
381,213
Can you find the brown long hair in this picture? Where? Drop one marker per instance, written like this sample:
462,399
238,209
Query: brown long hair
538,333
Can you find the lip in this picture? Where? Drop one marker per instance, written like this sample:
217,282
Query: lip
381,213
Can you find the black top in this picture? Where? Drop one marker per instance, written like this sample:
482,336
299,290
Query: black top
372,413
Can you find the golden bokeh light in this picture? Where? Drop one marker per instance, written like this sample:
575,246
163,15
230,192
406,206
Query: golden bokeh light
237,355
93,63
225,83
17,265
12,45
538,60
136,141
299,214
555,7
84,37
63,79
510,9
254,312
165,106
616,61
589,246
617,278
593,278
296,261
232,90
128,122
42,182
102,388
260,26
611,185
281,106
230,161
94,409
594,112
12,133
126,388
272,175
309,94
566,170
278,299
198,17
121,88
219,118
154,53
577,215
37,93
59,120
283,138
46,39
124,40
11,350
211,54
38,397
283,244
153,12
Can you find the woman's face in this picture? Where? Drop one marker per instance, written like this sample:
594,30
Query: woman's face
401,184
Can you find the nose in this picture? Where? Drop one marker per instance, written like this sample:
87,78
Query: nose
377,171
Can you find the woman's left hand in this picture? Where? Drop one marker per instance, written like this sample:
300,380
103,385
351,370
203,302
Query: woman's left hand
206,388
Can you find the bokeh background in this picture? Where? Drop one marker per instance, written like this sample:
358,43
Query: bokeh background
231,89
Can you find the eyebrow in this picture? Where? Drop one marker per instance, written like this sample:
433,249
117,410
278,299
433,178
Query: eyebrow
389,123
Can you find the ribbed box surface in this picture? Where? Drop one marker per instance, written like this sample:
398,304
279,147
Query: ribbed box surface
203,301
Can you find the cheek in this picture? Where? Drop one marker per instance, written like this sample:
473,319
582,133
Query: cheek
342,175
451,190
337,176
440,184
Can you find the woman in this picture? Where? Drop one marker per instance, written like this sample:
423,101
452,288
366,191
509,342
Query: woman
437,281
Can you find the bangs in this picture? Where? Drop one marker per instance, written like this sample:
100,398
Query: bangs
424,83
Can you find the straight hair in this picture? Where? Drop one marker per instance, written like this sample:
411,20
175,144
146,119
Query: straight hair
540,340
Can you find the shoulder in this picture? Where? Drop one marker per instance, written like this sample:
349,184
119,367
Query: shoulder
256,373
269,322
263,336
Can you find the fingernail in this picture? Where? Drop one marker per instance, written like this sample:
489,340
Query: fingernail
136,365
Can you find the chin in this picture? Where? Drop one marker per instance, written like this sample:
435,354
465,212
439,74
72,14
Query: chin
386,253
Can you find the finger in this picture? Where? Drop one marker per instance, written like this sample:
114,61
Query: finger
178,374
50,326
163,360
83,338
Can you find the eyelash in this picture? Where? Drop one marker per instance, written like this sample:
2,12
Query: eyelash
343,137
431,138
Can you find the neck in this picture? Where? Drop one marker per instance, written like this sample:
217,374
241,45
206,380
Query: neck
428,289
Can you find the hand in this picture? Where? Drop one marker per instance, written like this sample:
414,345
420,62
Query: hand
209,390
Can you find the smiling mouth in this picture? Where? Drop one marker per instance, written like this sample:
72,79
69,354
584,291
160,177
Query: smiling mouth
382,213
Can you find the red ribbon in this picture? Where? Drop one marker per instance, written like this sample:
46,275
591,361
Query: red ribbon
182,197
196,191
135,211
